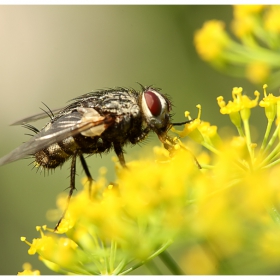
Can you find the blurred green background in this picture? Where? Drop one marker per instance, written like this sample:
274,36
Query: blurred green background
55,53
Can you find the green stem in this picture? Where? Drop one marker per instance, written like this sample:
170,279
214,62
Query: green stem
112,255
170,263
211,148
270,156
274,214
153,267
240,131
120,267
272,164
240,53
159,251
248,139
272,139
265,139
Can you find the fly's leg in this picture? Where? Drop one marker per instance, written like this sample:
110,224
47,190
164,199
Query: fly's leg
85,167
169,145
72,187
119,152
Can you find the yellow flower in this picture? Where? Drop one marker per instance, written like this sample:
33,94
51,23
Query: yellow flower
257,72
199,261
211,40
269,102
272,19
221,212
255,54
243,26
245,19
27,270
241,11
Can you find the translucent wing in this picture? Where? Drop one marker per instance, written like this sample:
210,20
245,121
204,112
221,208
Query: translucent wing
38,116
86,121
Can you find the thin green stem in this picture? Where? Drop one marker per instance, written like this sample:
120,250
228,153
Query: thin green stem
274,213
240,131
107,267
153,267
272,139
160,250
265,139
272,164
248,137
211,148
120,267
170,263
269,158
112,255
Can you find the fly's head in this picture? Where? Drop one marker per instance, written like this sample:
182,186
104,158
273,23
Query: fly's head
156,109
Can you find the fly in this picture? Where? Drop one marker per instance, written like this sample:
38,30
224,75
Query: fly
95,123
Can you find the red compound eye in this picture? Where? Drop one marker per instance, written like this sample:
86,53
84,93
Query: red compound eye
153,103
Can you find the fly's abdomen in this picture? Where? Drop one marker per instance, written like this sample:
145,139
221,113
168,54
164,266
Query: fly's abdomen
56,154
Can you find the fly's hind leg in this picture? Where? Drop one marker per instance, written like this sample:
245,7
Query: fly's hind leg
85,167
72,187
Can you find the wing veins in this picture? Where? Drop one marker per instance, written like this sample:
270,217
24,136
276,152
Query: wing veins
36,144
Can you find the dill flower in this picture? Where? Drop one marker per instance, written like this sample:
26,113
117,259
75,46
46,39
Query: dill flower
216,200
211,40
255,54
27,270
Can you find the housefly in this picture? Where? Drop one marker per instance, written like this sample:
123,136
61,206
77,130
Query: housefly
95,123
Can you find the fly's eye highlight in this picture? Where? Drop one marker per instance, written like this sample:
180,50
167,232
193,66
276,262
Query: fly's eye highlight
153,103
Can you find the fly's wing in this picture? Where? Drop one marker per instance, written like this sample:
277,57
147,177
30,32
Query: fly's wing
39,116
86,121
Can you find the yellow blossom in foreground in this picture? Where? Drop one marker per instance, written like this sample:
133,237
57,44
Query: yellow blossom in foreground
27,270
220,210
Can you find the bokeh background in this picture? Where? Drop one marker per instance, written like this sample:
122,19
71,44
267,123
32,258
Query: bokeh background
54,53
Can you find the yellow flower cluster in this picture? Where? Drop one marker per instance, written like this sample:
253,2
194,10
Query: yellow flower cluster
255,55
221,207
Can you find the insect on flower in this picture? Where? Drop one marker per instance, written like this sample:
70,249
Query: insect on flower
95,123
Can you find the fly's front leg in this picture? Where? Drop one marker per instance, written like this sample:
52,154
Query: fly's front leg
119,152
72,187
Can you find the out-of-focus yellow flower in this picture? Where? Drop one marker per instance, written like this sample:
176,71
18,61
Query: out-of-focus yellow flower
211,40
257,72
241,11
245,19
27,270
255,54
272,19
199,261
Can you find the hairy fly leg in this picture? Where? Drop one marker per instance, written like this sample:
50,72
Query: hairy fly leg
169,144
119,152
71,187
85,167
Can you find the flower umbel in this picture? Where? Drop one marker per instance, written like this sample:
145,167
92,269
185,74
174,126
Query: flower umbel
218,203
255,55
